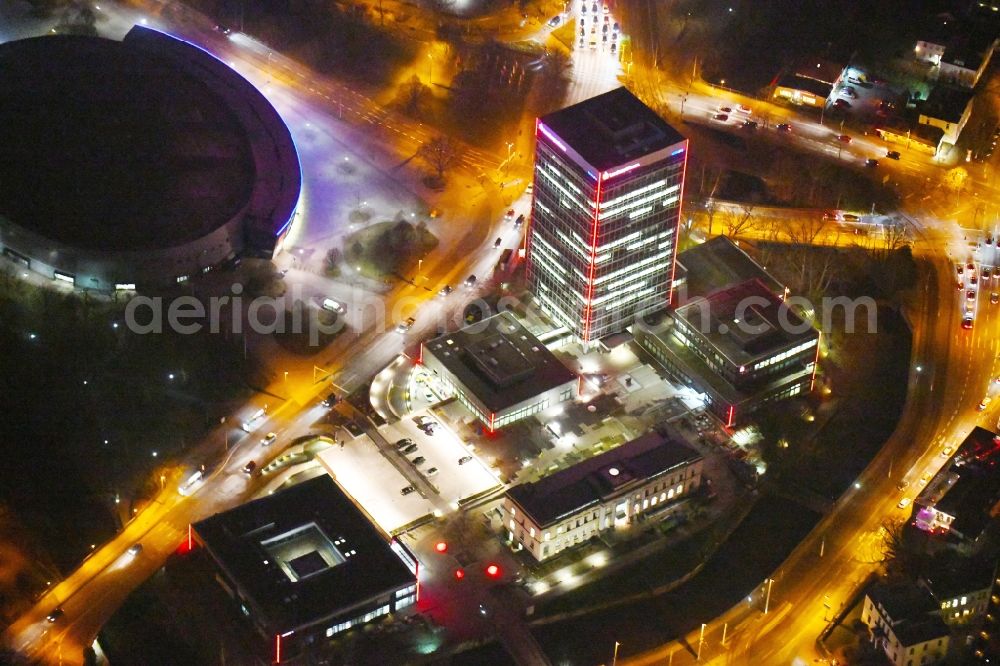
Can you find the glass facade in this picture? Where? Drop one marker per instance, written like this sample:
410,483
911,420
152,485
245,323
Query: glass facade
602,247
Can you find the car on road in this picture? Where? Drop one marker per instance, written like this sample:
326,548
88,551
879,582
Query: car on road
984,403
54,615
722,117
268,438
892,154
519,221
428,426
902,485
419,460
973,279
470,281
850,217
843,138
250,467
330,400
967,322
903,503
784,127
431,471
725,109
994,297
464,459
409,448
970,295
871,163
333,305
135,549
555,20
925,478
946,451
497,243
750,124
509,214
971,266
445,290
743,109
406,490
404,326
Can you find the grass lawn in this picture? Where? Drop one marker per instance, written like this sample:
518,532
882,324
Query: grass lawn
388,248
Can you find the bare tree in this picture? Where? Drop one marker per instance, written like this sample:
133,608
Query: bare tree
738,222
805,230
440,154
412,95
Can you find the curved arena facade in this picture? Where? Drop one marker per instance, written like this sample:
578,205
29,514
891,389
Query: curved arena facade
137,164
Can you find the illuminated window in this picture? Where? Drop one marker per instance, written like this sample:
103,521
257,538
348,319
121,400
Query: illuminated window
531,530
511,524
548,536
670,494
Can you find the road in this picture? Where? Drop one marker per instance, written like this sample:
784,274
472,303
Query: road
951,372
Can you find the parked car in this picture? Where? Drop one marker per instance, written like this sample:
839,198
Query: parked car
984,403
994,297
412,448
750,124
967,322
431,472
419,460
404,326
892,154
464,459
406,490
333,305
403,443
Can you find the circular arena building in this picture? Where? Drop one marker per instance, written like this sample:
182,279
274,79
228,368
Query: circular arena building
137,164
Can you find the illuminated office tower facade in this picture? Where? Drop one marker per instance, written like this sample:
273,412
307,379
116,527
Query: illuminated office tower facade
602,245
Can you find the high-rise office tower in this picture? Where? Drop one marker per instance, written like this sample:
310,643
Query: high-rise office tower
609,177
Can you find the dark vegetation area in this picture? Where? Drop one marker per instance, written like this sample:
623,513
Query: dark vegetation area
87,402
388,248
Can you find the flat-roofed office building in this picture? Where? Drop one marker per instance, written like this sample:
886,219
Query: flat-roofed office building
602,243
649,475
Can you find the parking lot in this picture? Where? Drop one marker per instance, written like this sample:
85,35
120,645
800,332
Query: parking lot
374,483
442,451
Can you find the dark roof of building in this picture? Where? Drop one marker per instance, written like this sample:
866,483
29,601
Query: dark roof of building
595,479
959,575
718,263
946,103
809,85
611,129
911,610
745,321
303,554
499,361
144,143
819,69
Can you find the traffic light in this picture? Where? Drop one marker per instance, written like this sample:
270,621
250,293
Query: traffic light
441,546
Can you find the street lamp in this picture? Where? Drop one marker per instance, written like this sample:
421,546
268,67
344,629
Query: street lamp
614,658
767,600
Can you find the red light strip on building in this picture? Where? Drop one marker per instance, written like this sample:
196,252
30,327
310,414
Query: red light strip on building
677,231
589,307
277,649
189,537
729,420
812,382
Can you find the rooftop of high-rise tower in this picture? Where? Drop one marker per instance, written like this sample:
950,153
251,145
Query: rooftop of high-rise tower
611,129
